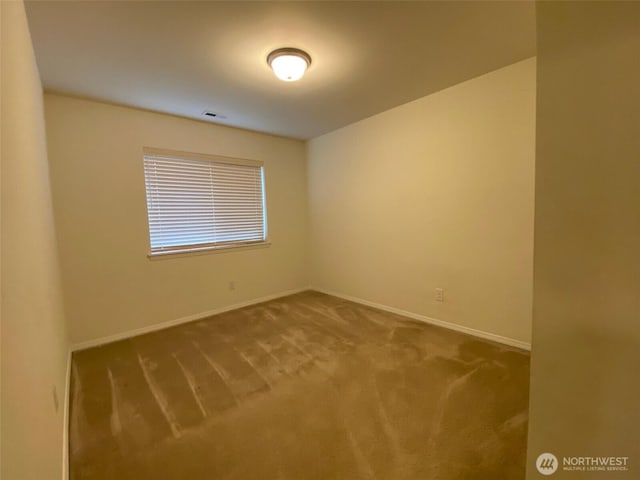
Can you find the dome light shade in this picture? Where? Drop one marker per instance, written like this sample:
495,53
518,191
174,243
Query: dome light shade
289,64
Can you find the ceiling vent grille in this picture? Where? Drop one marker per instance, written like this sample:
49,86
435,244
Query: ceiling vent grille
211,114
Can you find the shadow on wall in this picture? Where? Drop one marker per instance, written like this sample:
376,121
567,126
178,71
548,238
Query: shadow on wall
592,392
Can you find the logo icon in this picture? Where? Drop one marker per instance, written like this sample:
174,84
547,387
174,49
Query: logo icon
547,464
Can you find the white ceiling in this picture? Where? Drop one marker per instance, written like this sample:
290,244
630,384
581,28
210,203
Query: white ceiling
186,57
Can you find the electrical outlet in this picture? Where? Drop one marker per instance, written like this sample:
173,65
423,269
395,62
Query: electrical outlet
56,403
232,285
439,295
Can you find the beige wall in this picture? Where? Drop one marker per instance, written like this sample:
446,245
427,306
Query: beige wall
434,193
586,325
99,199
33,338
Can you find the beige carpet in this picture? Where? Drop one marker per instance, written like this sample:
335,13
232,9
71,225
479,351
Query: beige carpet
300,388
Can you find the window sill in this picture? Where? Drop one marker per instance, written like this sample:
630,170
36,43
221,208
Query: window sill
187,252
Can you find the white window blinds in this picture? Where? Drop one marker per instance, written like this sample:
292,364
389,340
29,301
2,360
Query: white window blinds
199,202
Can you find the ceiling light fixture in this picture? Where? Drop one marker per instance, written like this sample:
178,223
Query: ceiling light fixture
289,64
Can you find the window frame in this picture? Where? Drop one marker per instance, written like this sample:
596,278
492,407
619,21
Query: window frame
204,248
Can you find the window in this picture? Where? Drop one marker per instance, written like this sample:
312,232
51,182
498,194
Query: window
202,202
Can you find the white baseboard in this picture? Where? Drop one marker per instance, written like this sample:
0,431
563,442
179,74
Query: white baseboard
179,321
65,420
512,342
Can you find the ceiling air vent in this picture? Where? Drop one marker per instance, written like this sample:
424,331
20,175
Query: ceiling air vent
210,114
